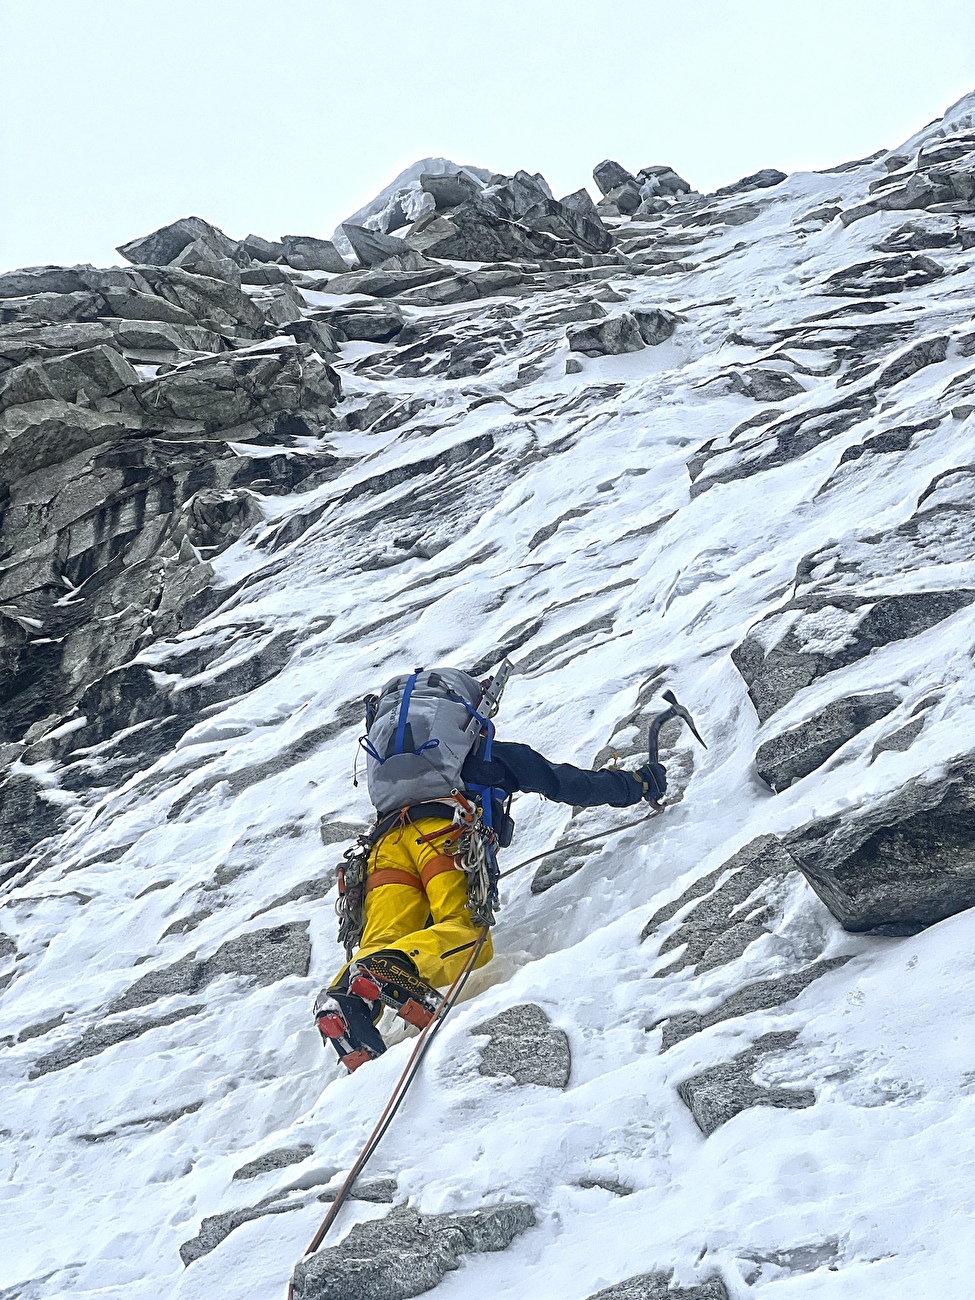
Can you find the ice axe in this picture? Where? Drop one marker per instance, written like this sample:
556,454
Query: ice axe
657,724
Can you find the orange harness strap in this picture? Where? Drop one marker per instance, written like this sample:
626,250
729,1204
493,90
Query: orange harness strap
436,867
391,876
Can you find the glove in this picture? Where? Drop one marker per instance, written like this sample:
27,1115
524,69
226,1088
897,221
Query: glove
653,777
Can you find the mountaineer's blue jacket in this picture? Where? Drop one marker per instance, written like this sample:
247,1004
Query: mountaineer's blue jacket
516,767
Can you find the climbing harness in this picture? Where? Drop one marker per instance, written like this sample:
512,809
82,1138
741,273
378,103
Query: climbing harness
397,1096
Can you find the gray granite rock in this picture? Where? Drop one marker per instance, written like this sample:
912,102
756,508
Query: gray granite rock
721,1092
655,324
306,253
608,175
264,956
760,996
526,1046
371,246
763,384
450,190
405,1254
759,180
659,1286
164,245
373,324
793,754
897,864
279,1158
100,1037
892,273
262,250
712,933
609,337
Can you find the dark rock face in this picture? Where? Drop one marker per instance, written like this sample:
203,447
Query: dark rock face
760,180
721,1092
404,1254
795,753
714,932
900,864
305,253
371,247
659,1286
609,337
264,956
608,175
525,1045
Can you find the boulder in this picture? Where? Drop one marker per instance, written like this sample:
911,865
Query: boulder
760,180
265,273
262,250
609,337
661,179
571,225
370,246
898,864
720,1092
655,324
793,754
210,302
199,259
306,253
164,245
31,342
450,191
512,196
610,175
405,1254
526,1046
624,199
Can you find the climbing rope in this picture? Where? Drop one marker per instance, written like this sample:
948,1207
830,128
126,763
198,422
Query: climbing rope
397,1096
586,839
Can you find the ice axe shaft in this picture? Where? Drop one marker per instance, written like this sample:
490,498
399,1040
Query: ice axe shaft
676,710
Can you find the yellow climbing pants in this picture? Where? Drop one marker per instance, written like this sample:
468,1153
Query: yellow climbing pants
407,884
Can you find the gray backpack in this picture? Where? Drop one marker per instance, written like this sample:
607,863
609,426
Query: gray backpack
419,732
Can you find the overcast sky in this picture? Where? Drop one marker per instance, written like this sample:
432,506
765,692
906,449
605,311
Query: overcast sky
283,116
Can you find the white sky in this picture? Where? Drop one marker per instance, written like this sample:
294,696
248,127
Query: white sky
283,116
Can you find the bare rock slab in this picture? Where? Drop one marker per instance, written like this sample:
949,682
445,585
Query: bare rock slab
526,1046
406,1254
657,1286
795,753
723,1091
900,864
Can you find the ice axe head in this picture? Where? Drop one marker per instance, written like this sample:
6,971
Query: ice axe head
680,712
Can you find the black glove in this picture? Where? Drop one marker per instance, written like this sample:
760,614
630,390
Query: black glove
653,777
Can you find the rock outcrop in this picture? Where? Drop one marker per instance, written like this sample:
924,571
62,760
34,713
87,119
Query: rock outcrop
526,1046
406,1254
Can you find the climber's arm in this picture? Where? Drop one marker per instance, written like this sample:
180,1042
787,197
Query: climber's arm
518,767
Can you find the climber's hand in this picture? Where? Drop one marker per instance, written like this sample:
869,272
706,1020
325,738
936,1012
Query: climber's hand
653,777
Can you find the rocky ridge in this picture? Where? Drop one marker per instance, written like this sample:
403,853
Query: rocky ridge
721,442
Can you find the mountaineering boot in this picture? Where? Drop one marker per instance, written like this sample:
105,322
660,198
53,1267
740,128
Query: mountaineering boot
346,1023
390,977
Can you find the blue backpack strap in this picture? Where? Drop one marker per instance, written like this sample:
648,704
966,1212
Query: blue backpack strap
404,713
486,791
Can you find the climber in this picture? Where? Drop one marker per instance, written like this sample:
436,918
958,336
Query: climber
420,889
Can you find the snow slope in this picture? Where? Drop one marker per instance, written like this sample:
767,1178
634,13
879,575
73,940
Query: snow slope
561,527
